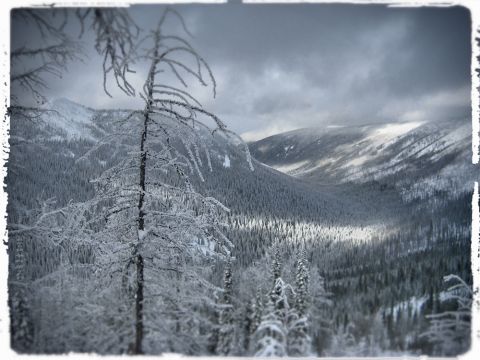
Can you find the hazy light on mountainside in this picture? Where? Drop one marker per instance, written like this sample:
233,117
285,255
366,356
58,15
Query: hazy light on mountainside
291,167
358,161
391,131
274,129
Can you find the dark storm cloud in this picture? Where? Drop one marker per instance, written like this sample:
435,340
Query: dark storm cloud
281,67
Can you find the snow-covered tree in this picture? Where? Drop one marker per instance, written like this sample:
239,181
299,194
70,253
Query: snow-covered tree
449,330
50,257
257,312
276,262
299,341
272,333
343,343
320,311
48,55
160,232
302,280
253,318
226,325
139,252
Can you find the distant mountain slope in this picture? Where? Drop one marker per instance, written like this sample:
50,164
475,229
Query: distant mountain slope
67,119
416,158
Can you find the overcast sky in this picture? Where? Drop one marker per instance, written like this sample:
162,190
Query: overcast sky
281,67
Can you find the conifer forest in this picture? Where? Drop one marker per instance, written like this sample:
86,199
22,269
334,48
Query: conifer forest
154,227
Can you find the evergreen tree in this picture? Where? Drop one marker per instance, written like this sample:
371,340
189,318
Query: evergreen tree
254,320
343,342
448,330
271,335
21,327
226,328
248,324
276,262
321,314
299,341
302,280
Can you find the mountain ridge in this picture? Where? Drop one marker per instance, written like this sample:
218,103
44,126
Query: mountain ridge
385,153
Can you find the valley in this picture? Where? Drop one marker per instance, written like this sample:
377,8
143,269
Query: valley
383,212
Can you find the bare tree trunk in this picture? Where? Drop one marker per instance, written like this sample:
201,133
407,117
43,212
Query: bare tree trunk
139,295
138,256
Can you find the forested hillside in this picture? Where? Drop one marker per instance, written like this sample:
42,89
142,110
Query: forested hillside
373,252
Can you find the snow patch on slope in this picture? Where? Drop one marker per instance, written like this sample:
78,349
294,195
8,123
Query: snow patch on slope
226,162
290,168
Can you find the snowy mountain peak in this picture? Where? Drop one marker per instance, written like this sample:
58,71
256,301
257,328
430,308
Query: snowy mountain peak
69,119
